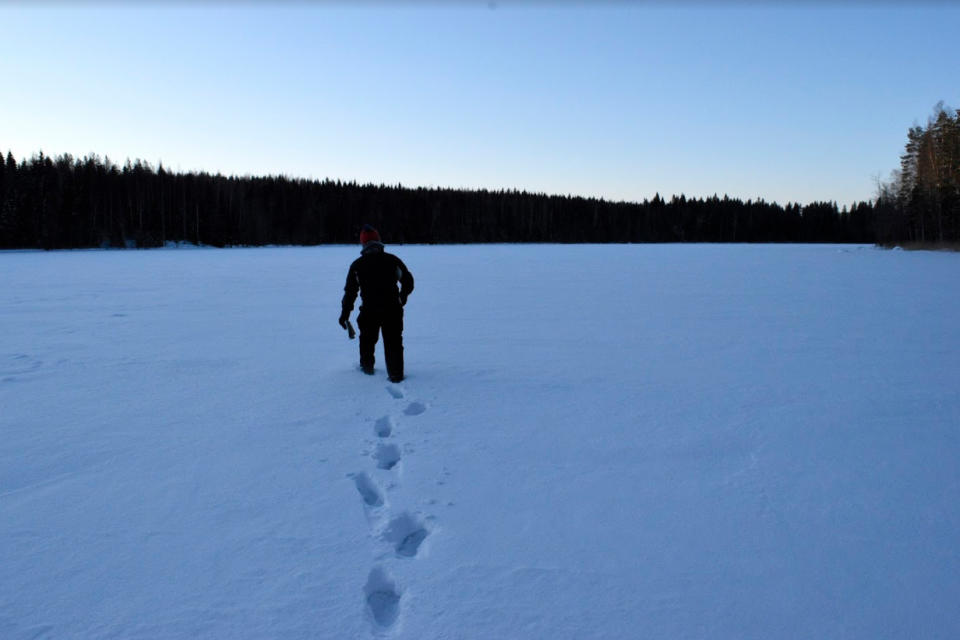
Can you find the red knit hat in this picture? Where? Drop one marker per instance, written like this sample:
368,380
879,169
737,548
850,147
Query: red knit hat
369,234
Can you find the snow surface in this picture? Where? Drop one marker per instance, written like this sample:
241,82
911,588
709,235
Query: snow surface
662,441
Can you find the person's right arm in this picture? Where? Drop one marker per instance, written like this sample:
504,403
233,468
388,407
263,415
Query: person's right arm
350,290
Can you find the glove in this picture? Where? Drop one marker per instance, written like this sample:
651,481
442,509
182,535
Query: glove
343,318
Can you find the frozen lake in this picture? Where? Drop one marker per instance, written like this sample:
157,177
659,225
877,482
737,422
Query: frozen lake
621,441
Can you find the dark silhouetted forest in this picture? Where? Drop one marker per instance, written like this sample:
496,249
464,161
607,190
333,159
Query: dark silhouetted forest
921,203
63,202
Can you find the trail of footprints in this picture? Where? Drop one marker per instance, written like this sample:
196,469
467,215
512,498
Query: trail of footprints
403,534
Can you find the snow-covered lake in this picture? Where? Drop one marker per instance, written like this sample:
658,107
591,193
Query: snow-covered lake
663,441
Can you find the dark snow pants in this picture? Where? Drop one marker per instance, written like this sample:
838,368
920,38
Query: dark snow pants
389,321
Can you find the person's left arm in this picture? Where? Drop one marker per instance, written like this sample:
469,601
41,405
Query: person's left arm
406,281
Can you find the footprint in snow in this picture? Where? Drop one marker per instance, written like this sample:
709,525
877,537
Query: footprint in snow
369,491
383,427
415,408
387,456
406,533
383,598
395,391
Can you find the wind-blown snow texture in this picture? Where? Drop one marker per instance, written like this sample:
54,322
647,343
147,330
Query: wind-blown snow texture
593,442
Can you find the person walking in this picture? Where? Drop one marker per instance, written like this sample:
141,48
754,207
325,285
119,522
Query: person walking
374,275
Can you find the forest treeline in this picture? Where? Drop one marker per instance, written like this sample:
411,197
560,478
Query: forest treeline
65,202
921,203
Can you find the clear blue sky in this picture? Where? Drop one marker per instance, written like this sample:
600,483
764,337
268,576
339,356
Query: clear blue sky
619,100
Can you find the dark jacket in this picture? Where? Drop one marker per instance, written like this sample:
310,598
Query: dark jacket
375,275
